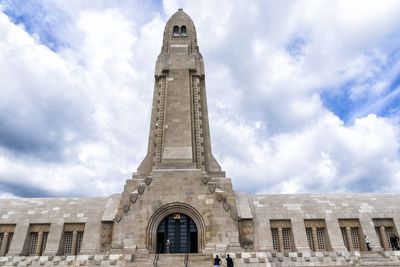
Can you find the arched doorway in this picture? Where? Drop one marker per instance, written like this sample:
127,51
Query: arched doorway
181,231
167,210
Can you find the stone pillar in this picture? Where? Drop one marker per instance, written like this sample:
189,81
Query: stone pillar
314,237
369,230
53,239
349,239
4,244
74,242
335,235
262,235
280,238
299,235
39,243
18,245
383,237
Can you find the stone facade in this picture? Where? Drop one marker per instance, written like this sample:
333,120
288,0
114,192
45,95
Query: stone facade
180,193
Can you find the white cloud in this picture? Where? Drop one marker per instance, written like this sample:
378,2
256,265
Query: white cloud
77,119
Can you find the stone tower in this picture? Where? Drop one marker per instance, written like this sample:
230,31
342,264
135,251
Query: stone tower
179,192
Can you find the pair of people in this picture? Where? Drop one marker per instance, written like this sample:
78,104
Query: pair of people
394,241
217,261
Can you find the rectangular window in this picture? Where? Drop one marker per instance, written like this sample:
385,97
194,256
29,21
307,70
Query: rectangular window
1,240
275,239
44,242
67,243
79,241
355,238
286,239
309,238
34,239
343,230
388,232
321,239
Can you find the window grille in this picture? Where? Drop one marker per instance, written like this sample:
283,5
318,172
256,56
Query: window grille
1,240
355,238
67,243
309,238
275,239
44,242
10,237
388,233
343,230
286,238
34,239
321,238
79,242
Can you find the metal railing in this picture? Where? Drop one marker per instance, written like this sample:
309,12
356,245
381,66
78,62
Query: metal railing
155,261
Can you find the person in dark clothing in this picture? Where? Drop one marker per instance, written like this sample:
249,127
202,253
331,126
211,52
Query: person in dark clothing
394,241
217,261
229,261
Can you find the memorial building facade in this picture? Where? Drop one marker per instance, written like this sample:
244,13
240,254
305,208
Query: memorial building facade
180,208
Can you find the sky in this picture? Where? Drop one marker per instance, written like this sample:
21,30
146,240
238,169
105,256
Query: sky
303,96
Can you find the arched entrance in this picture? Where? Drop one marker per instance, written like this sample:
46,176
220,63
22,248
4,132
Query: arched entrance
181,231
162,216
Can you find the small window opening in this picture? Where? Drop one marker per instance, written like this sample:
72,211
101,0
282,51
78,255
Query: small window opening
183,31
175,31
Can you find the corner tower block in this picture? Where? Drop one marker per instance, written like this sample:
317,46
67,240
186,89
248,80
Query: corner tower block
179,132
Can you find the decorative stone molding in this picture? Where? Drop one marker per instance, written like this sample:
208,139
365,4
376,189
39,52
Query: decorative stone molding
168,209
39,228
106,236
349,223
318,223
7,228
205,179
126,207
220,195
197,122
212,186
280,223
141,188
148,180
133,196
246,234
226,206
385,222
234,214
159,127
71,227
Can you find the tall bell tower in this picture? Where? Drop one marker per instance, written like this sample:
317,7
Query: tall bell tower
179,192
179,131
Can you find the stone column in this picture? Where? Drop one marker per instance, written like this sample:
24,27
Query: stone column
335,235
17,246
4,244
383,237
349,239
53,239
39,243
74,242
314,238
280,238
369,230
299,236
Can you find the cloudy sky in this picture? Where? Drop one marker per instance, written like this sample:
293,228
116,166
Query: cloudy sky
304,96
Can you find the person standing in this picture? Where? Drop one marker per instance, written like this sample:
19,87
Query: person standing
394,242
217,261
367,242
229,261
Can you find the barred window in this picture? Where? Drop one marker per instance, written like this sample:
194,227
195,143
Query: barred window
343,230
79,242
309,238
286,238
275,239
1,240
388,233
175,31
321,238
355,237
34,239
183,31
44,242
67,243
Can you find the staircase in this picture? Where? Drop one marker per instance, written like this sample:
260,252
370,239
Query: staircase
174,259
369,258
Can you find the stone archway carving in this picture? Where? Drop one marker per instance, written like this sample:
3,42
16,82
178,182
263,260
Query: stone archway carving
167,209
